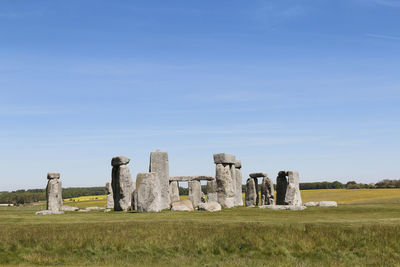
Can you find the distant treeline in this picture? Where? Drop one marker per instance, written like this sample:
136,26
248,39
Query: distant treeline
35,195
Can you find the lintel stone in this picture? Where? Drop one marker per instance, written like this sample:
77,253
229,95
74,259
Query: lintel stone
120,160
53,175
258,174
191,178
224,158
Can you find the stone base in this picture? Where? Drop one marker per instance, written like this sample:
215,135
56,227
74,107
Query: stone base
69,208
283,207
182,205
321,204
48,212
210,206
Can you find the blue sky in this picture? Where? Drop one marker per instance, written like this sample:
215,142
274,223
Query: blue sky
312,86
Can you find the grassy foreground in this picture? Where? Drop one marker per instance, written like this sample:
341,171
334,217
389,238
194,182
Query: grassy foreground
352,234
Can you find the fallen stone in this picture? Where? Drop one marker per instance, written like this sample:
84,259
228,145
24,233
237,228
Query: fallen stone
224,158
48,212
258,174
311,204
120,160
107,210
95,208
69,208
327,204
148,192
210,206
251,194
159,164
182,205
283,207
83,210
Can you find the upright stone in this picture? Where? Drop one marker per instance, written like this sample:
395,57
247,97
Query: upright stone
225,180
281,186
121,184
251,196
293,196
195,192
174,191
212,191
238,177
148,192
160,165
54,192
110,197
267,192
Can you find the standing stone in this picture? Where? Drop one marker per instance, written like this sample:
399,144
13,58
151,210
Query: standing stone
134,199
251,195
267,192
121,184
148,192
281,186
195,192
110,198
160,165
174,191
238,177
293,196
54,192
212,191
257,194
225,179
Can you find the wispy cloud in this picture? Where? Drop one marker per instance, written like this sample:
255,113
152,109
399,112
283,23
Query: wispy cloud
381,36
390,3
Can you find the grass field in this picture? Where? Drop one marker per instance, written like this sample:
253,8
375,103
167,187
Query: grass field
366,231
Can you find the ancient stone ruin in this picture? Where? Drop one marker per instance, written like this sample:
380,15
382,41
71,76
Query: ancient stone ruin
110,197
288,188
267,190
54,202
121,183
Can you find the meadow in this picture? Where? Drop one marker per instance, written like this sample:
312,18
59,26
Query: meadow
364,230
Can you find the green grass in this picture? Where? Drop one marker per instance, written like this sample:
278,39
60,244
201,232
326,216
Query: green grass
352,234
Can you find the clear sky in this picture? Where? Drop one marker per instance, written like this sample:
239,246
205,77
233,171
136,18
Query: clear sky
312,86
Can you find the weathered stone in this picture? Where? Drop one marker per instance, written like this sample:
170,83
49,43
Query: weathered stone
53,175
122,188
95,208
148,192
48,212
283,207
110,197
191,178
195,192
54,193
238,193
174,191
210,206
203,197
212,191
224,158
267,192
258,175
251,195
69,208
293,196
159,164
238,164
120,160
327,204
257,194
182,205
134,199
311,204
225,190
281,186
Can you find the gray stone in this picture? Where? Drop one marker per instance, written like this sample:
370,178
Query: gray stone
238,164
95,208
69,208
148,192
48,212
212,191
174,191
134,199
267,192
281,186
203,197
122,188
251,195
191,178
283,207
225,189
83,210
159,164
293,196
311,204
53,175
327,204
238,192
182,205
54,193
120,160
210,206
195,192
257,194
258,175
110,197
224,158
